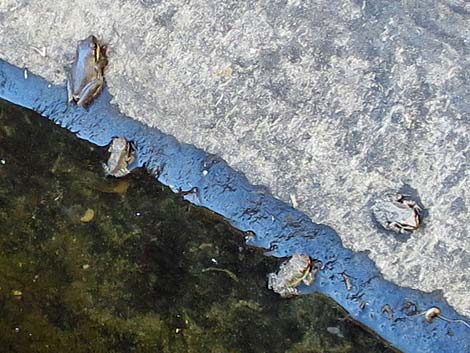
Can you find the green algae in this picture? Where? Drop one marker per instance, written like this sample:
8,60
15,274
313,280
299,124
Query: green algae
147,273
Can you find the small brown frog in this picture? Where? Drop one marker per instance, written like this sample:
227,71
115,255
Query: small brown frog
85,79
300,268
121,155
397,213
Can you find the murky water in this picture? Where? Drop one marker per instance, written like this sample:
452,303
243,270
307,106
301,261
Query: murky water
95,264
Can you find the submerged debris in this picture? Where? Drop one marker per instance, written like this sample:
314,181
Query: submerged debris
16,293
432,313
335,331
435,312
216,269
118,187
88,216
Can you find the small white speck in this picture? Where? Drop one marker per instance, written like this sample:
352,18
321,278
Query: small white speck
205,172
42,51
25,72
272,218
293,200
250,237
2,161
138,214
49,85
17,329
214,261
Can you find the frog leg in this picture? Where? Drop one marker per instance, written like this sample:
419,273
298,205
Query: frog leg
310,278
400,228
272,280
117,174
408,229
418,219
412,204
288,292
106,169
121,172
89,91
396,227
131,158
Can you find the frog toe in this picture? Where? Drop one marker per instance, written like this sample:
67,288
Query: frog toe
122,172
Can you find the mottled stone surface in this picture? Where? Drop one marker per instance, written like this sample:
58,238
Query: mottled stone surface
329,103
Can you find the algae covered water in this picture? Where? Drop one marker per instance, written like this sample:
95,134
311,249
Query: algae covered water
95,264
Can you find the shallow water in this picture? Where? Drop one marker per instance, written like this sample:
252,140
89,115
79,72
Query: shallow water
95,264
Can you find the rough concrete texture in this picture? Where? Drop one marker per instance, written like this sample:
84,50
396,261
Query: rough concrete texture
329,103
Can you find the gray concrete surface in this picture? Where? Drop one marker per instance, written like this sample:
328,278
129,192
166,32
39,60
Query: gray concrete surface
329,103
